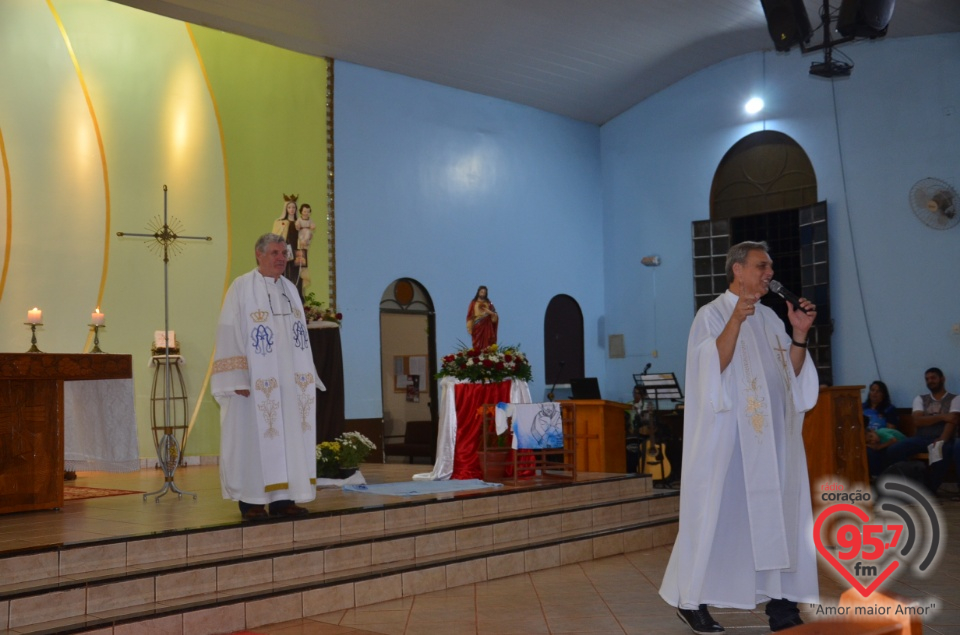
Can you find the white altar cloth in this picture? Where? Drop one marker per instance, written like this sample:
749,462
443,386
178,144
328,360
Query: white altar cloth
100,426
447,432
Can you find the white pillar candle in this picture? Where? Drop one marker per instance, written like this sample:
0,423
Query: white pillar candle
97,317
35,316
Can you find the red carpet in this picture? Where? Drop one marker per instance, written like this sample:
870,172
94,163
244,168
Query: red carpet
71,493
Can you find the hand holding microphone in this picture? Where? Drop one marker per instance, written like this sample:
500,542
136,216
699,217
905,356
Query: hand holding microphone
784,293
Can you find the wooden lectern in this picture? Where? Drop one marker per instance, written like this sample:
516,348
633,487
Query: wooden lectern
834,440
601,435
31,422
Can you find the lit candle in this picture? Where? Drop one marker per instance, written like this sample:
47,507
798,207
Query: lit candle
97,317
35,316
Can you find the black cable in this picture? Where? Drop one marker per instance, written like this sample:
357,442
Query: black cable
853,246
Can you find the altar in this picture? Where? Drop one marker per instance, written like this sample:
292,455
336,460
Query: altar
100,426
32,409
459,437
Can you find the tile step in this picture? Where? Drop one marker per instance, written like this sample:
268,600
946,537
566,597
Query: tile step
407,577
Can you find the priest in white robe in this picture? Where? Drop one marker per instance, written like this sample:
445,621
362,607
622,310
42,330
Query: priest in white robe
746,523
265,382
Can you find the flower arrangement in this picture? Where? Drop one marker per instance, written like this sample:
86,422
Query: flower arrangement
317,312
492,364
328,459
354,449
345,452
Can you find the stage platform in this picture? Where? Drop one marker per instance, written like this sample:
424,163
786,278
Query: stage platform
122,564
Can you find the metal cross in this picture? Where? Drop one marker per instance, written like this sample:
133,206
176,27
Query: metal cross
165,237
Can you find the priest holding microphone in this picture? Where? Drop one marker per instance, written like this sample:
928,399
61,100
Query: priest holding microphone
746,523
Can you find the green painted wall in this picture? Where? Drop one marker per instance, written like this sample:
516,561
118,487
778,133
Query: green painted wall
100,107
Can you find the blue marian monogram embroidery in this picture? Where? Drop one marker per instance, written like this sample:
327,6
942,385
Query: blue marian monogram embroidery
262,337
300,339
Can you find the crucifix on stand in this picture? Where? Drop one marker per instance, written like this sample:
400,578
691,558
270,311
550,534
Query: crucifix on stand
164,239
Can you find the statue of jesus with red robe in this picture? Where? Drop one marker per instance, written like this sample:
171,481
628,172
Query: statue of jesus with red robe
482,320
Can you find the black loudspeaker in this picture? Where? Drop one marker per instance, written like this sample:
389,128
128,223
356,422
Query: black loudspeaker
787,22
865,18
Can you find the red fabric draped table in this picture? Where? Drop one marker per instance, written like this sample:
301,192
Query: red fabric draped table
459,436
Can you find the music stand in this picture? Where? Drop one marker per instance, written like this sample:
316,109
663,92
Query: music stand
659,386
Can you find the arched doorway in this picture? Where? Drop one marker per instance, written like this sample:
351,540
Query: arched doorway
408,359
562,340
765,188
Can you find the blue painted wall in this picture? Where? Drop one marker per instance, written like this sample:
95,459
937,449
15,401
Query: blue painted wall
456,190
870,137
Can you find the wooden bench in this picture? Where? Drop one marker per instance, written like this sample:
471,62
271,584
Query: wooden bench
908,428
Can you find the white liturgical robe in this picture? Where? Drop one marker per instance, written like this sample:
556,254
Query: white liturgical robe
267,439
746,523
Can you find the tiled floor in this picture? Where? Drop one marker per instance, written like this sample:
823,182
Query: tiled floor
612,596
615,595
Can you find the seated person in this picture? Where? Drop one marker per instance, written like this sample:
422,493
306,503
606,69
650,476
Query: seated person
883,438
934,422
878,409
878,412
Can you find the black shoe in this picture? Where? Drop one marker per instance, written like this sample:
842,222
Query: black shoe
255,512
783,614
785,623
700,620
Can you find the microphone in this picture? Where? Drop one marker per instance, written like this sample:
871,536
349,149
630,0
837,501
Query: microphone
784,293
646,368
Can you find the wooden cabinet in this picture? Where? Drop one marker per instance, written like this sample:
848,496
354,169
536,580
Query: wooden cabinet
601,435
833,437
31,422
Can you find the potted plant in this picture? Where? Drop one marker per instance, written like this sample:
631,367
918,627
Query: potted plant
341,457
354,449
328,459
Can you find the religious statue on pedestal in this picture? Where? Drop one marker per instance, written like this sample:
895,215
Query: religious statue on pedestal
286,228
482,320
305,228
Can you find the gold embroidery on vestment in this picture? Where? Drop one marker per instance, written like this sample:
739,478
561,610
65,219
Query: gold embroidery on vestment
305,399
229,363
755,404
268,407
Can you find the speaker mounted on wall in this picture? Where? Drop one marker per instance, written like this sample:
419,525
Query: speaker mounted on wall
865,18
788,23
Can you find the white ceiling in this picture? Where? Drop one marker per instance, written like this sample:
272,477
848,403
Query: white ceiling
586,59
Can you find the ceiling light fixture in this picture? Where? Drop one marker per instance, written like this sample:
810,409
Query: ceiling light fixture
753,105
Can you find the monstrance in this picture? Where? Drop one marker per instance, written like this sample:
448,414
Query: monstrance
163,240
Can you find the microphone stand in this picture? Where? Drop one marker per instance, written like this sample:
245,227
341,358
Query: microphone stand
556,379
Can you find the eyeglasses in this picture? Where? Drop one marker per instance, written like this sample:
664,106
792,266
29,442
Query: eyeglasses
283,294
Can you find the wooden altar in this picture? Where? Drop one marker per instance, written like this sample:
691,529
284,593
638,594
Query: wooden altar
833,437
31,422
601,435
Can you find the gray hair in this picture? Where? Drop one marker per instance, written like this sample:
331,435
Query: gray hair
267,239
739,252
